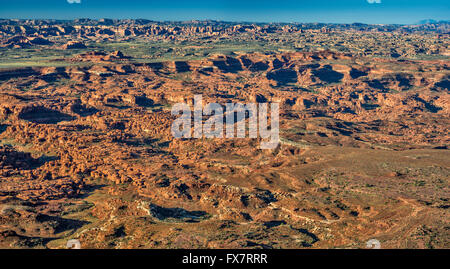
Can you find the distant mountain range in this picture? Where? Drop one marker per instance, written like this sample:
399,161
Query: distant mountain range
431,21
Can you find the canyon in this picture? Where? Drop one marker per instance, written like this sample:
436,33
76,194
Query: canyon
87,153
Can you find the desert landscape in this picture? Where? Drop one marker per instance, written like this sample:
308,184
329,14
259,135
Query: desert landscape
86,150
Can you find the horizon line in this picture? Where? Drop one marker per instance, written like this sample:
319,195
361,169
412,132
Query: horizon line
226,21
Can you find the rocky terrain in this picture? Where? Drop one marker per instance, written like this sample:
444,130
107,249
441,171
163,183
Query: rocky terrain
86,150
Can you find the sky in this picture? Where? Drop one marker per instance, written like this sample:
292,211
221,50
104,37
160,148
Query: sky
327,11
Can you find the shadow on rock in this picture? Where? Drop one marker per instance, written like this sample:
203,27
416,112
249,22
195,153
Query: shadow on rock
60,224
177,213
44,115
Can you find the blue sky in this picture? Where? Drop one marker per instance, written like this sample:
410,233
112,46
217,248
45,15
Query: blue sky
339,11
